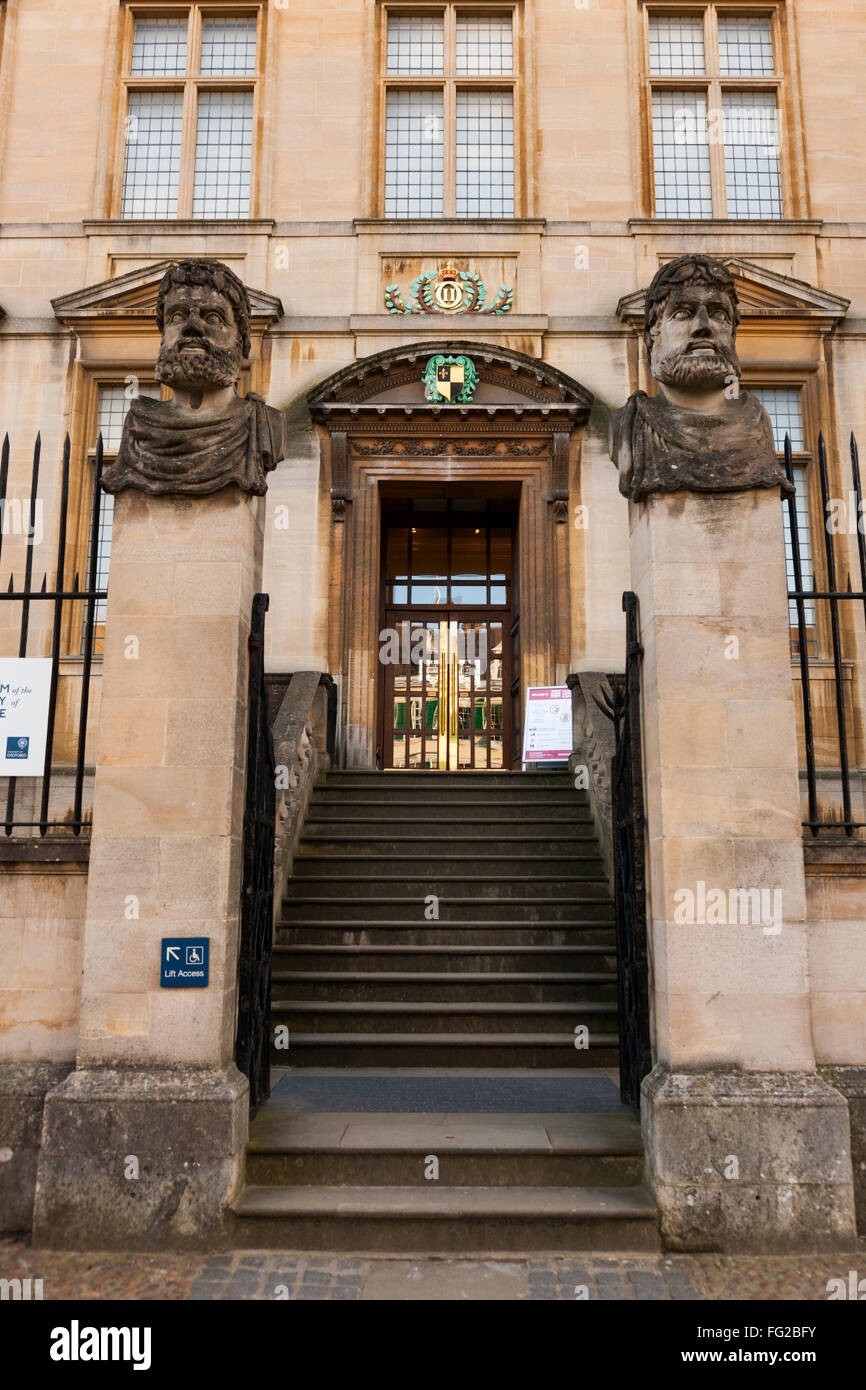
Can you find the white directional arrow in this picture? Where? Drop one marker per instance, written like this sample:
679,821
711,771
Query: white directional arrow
172,953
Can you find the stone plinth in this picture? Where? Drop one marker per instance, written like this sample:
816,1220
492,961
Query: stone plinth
749,1161
140,1159
726,888
156,1078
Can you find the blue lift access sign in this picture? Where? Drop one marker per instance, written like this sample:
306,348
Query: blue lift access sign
184,962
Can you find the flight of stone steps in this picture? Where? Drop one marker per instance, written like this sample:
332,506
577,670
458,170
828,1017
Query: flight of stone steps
458,926
447,920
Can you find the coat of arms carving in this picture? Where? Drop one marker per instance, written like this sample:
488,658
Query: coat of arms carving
448,291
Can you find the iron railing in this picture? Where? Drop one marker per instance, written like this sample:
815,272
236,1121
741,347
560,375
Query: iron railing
829,638
78,819
622,705
253,1042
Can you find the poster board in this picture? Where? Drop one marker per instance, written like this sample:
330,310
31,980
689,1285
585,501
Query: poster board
547,735
25,691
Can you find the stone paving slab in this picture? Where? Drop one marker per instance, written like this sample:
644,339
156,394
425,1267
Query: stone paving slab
291,1275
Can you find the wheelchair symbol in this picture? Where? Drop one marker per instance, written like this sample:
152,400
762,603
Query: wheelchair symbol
194,955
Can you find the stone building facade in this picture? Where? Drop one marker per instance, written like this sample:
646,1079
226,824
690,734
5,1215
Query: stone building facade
491,182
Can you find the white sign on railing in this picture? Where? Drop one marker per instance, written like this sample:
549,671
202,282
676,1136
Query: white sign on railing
25,689
547,735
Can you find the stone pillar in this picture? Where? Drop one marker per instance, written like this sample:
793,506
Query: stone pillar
143,1143
747,1147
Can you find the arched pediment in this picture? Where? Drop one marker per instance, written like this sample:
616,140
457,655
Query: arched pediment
507,381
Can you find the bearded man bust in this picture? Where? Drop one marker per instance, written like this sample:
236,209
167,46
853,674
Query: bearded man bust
208,436
701,432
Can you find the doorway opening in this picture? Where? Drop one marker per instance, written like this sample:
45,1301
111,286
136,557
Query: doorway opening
449,634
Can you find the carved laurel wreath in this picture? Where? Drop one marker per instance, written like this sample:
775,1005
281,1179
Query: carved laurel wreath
421,299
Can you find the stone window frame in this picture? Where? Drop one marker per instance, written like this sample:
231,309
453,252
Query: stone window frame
449,82
190,84
8,25
817,414
713,84
83,441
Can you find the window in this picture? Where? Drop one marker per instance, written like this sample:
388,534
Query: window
112,403
714,101
785,409
448,85
191,80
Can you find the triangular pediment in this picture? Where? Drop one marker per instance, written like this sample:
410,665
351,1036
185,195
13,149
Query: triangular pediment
762,293
133,296
394,380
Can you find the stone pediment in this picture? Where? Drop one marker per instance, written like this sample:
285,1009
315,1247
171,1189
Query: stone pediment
763,294
394,381
132,297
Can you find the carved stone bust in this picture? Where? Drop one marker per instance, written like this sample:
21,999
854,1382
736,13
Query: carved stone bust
207,436
701,431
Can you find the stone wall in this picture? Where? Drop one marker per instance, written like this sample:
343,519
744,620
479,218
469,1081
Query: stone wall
44,887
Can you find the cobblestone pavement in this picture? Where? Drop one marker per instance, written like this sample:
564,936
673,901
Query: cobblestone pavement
281,1275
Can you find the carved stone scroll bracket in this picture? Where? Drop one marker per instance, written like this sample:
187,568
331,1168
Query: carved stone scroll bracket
339,475
560,477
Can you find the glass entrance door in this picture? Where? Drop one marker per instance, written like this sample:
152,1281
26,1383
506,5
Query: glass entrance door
445,648
446,699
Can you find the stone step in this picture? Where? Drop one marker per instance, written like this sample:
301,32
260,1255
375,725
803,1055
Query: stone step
454,781
473,1150
472,1050
582,864
435,1219
296,930
464,800
435,1017
498,890
498,957
449,987
490,819
359,843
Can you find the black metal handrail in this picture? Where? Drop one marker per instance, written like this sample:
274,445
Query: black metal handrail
622,705
253,1039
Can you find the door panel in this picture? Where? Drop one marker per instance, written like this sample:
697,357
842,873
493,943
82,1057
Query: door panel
447,691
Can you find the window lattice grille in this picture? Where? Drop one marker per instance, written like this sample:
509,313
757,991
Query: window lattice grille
681,155
112,405
414,154
416,45
785,409
484,46
485,154
159,48
223,154
745,46
154,129
752,172
676,45
228,46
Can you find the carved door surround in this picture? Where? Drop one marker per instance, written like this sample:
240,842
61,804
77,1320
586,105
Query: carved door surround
521,431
